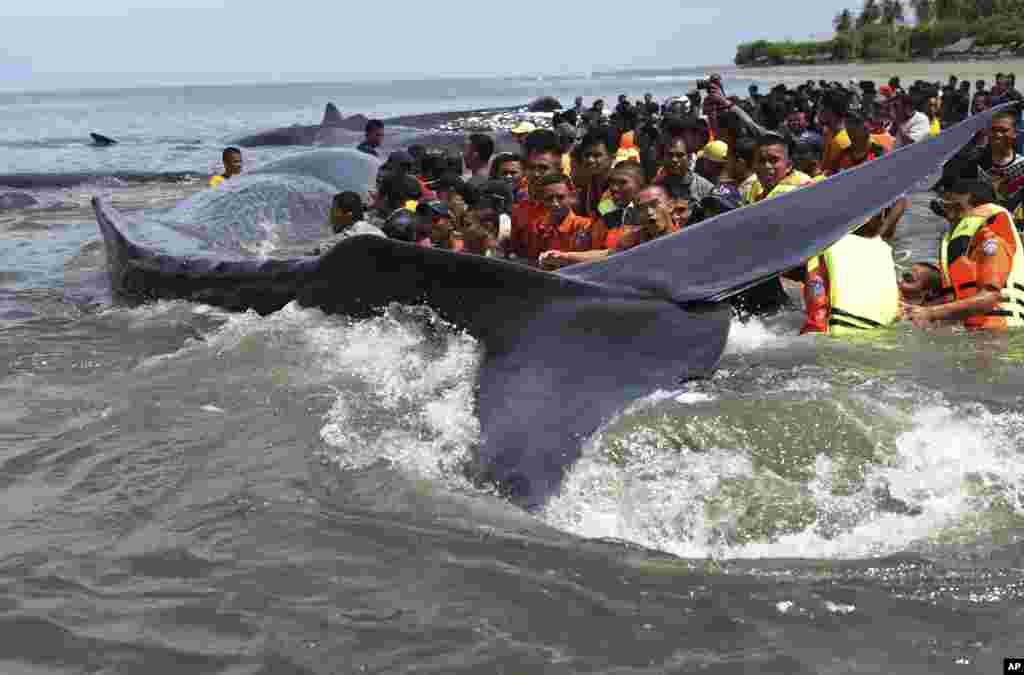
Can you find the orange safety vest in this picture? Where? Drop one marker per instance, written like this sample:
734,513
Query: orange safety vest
960,273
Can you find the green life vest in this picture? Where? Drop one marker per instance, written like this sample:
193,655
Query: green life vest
794,181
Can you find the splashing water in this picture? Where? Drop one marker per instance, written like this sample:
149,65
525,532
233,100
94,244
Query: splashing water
811,469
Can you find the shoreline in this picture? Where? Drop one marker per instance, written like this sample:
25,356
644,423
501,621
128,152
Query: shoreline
881,71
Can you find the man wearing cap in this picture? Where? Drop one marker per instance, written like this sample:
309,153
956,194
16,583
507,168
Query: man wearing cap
521,131
711,161
435,218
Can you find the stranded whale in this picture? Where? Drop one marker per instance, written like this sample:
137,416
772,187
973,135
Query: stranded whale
102,141
563,352
335,129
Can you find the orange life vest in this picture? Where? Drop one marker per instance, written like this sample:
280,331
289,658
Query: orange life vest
960,273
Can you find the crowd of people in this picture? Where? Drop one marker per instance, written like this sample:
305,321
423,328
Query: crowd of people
599,182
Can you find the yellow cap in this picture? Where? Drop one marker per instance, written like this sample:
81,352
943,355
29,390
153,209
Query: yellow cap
524,128
716,151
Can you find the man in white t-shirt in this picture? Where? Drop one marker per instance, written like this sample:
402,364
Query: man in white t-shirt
912,123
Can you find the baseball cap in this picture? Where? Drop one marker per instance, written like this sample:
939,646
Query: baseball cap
524,128
716,151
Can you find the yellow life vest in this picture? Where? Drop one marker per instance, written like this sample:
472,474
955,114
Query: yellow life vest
863,291
794,181
216,181
936,127
956,244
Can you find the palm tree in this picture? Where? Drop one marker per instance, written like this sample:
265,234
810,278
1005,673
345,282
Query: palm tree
892,12
843,21
944,10
923,11
869,15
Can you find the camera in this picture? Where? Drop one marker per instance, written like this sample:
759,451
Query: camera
704,84
938,207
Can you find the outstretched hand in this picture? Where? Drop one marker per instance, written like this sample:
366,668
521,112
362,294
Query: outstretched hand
919,315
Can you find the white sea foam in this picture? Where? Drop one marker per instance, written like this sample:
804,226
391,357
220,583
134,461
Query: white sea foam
752,336
950,465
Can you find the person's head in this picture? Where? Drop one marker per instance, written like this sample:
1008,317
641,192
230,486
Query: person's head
965,87
436,214
807,158
400,188
980,103
400,162
623,99
682,211
835,106
979,85
479,148
543,158
508,166
716,156
598,105
566,136
417,152
522,131
894,82
965,195
597,151
744,154
648,98
346,209
578,102
374,133
772,164
1003,132
461,198
654,208
625,181
675,156
796,121
953,79
557,194
232,158
495,197
752,90
934,107
857,130
1001,83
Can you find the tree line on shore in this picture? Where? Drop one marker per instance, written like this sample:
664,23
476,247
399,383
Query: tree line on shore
890,30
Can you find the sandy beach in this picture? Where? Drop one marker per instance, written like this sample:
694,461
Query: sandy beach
881,72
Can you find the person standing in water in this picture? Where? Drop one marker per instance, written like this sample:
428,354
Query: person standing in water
374,137
979,280
232,158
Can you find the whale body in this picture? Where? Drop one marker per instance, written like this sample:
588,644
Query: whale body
563,352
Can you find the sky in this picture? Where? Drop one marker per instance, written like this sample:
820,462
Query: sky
50,44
